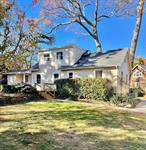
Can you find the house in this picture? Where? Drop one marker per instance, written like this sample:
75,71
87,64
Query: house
138,77
74,62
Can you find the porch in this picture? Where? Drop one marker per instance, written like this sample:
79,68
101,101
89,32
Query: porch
18,77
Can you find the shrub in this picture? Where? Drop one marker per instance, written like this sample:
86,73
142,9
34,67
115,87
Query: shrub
9,89
122,100
138,92
116,99
88,88
131,101
23,88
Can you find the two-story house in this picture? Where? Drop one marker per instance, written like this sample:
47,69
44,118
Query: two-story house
138,77
74,62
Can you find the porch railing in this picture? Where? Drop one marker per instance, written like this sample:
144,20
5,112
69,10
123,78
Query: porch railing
49,87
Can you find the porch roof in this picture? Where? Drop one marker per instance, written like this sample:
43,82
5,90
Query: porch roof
24,71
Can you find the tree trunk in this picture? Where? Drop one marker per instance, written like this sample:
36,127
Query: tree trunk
97,44
134,41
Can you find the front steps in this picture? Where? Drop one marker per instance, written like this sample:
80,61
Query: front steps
48,94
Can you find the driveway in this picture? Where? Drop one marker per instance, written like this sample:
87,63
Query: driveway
141,107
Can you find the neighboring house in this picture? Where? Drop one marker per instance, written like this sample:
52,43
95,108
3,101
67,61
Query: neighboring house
74,62
144,61
138,78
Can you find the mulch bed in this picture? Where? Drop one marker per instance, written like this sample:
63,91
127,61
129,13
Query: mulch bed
18,98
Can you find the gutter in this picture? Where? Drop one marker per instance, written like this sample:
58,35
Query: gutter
78,68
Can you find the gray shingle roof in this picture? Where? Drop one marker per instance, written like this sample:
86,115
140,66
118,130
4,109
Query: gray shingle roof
144,67
17,71
33,68
107,59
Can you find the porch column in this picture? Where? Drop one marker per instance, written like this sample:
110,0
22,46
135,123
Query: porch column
23,78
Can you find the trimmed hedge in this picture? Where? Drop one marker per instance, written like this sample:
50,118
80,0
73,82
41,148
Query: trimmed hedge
87,88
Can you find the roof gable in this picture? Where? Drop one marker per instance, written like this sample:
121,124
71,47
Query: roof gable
143,67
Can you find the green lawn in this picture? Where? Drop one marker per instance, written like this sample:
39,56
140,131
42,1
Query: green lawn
70,126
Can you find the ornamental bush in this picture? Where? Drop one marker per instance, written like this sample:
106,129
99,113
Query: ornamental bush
19,88
138,92
87,88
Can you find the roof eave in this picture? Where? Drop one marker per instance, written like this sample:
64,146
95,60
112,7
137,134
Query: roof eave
81,68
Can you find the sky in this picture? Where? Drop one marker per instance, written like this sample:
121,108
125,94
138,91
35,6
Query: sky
113,33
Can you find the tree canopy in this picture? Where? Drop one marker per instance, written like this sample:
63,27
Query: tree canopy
19,40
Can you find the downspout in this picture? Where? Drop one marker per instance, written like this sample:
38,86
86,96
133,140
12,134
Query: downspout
117,67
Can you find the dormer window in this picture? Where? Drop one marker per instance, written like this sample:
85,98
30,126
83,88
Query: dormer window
59,55
47,57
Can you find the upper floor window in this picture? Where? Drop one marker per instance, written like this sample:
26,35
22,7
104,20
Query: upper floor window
38,79
138,74
59,55
47,57
70,75
56,76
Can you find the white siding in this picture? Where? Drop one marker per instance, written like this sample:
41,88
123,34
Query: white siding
109,73
49,68
71,55
123,84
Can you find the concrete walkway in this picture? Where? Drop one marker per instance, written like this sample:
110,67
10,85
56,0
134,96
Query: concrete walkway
141,107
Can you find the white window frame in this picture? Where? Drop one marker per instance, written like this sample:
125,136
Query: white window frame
137,74
37,79
59,55
98,70
136,84
54,76
47,57
72,75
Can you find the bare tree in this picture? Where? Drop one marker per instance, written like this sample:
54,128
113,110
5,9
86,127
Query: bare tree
86,13
134,41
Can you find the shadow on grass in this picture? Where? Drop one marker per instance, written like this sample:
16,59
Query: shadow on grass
69,126
13,140
91,118
19,99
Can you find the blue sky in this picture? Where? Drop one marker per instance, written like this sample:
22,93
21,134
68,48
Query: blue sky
113,33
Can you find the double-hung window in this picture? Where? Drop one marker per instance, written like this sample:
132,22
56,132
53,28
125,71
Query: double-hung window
59,55
56,76
98,73
47,57
70,75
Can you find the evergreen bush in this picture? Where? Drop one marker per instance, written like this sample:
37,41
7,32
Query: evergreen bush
87,88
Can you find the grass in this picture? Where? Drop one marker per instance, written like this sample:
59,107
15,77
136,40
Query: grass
70,126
